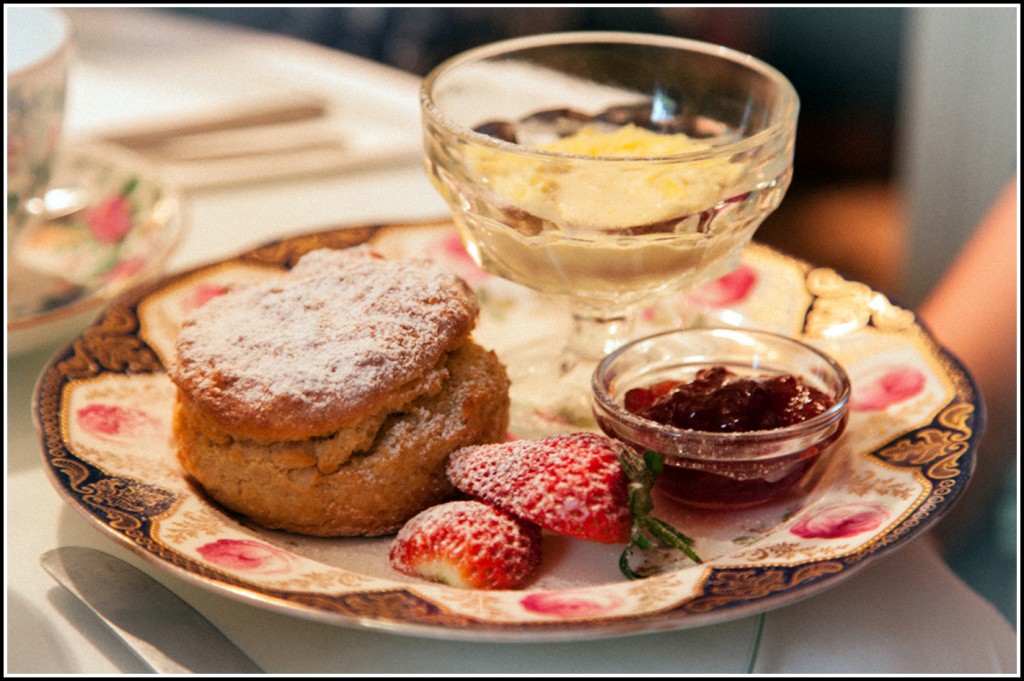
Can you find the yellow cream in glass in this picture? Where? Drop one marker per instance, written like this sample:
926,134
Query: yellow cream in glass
605,231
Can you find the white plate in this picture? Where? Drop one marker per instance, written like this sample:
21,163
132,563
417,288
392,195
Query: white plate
106,227
104,410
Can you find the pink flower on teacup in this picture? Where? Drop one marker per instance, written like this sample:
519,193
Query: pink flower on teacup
726,290
841,520
110,219
114,422
885,387
248,555
569,604
124,269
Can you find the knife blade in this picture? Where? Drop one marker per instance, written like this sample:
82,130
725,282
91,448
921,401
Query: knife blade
164,631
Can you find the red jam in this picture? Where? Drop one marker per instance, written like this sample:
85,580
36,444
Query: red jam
719,401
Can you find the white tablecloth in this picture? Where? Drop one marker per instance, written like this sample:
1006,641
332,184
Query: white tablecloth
907,613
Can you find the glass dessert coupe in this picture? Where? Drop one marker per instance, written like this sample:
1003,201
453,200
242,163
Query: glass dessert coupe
606,169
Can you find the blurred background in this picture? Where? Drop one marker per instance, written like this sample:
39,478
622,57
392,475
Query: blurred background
866,77
908,130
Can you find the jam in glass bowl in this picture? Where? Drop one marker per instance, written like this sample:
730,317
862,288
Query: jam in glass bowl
739,416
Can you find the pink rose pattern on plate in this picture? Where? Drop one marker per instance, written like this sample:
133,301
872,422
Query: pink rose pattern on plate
116,423
569,604
248,555
731,289
201,295
885,387
840,521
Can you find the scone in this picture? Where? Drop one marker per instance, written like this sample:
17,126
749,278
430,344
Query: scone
327,401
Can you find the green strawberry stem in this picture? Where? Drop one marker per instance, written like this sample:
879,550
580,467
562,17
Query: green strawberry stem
642,477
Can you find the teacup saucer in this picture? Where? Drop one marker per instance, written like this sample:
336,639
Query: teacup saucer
102,228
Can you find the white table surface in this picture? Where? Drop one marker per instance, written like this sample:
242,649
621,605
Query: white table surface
906,613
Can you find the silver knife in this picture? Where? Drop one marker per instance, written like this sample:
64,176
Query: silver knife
167,633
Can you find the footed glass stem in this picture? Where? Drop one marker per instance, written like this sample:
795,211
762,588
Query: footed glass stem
551,379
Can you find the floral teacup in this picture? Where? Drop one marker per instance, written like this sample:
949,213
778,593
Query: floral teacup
38,52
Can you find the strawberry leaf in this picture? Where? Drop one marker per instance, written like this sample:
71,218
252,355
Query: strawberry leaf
642,474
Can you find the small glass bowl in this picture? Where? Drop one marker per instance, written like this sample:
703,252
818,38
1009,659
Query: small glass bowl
722,469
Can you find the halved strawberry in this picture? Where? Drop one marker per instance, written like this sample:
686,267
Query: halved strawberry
570,484
583,485
467,544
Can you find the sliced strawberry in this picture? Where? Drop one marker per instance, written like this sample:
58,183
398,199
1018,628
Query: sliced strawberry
467,544
571,484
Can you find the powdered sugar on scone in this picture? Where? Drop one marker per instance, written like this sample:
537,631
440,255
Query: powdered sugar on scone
345,333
